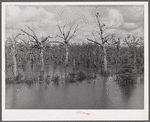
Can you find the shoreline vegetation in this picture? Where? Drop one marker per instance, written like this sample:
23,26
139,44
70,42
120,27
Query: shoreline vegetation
126,75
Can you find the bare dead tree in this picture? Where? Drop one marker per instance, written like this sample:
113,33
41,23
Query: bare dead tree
116,42
131,41
27,48
103,40
14,53
67,36
39,44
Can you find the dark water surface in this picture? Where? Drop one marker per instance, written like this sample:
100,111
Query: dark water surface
94,94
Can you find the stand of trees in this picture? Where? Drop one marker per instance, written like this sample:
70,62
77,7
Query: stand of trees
67,36
31,58
86,56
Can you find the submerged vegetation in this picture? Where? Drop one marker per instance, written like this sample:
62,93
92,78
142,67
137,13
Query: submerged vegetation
76,77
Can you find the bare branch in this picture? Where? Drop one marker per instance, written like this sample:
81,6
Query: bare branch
32,32
45,39
94,36
68,32
98,33
108,43
31,39
110,27
17,36
108,36
125,40
24,42
30,35
75,30
97,17
61,30
60,37
96,22
64,29
25,47
94,42
131,40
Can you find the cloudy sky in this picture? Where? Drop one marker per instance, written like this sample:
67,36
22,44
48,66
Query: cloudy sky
44,18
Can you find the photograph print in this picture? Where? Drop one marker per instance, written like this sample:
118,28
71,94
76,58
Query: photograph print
74,56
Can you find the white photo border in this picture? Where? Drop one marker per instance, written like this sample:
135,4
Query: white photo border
70,114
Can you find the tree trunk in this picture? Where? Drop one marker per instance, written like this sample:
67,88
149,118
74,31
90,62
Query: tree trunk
15,65
135,58
105,59
67,52
95,69
94,63
14,59
74,65
42,60
42,65
31,58
66,61
135,63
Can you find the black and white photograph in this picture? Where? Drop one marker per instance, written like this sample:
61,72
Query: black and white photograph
80,57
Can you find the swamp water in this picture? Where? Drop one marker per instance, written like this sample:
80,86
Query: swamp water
101,93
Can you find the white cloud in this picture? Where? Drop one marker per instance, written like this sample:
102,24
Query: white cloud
12,12
28,13
134,14
137,11
138,32
131,26
17,15
115,17
44,19
74,14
